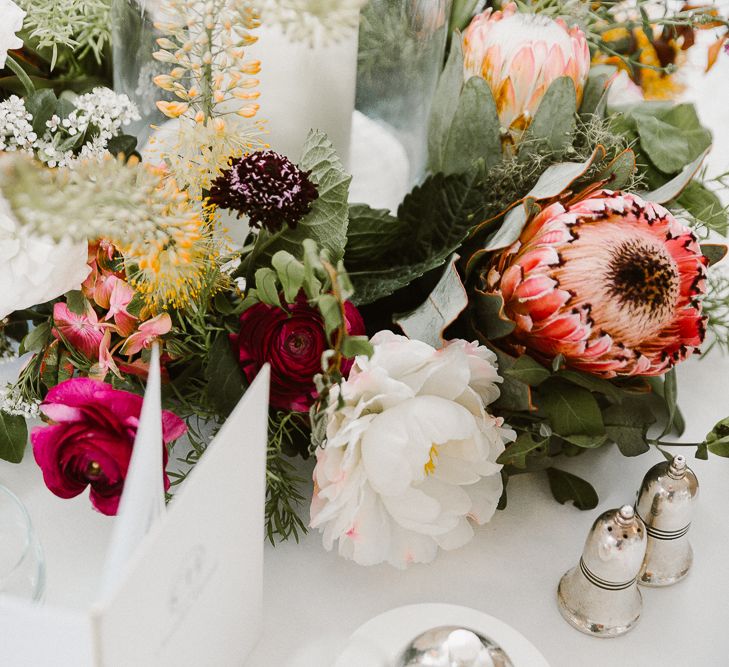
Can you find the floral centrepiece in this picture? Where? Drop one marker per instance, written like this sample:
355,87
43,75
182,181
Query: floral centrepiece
520,55
293,343
410,459
90,440
613,283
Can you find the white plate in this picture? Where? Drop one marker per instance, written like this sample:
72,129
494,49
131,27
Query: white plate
380,641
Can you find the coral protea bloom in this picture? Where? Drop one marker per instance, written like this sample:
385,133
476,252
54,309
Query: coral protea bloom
612,282
520,55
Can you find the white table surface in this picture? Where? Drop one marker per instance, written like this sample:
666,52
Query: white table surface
315,599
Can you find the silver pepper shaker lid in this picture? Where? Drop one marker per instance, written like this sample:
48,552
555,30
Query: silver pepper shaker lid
600,596
666,503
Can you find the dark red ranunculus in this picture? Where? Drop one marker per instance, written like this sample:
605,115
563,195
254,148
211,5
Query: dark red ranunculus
90,440
292,343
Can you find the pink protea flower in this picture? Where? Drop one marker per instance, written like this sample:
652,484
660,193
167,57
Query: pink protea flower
520,55
83,332
612,282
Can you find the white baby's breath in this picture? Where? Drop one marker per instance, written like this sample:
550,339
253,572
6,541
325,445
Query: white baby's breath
13,403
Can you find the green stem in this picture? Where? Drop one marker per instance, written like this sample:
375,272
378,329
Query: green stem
14,65
258,247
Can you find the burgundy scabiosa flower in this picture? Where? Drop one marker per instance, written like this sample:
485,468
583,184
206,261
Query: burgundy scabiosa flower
613,283
90,439
267,187
292,343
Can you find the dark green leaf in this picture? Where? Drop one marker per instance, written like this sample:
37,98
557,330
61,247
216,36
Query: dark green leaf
136,305
36,339
223,304
593,383
528,371
586,441
122,144
13,437
76,302
627,425
571,410
670,395
705,206
565,486
475,132
41,105
717,440
515,395
516,453
225,379
554,122
490,317
714,252
620,171
595,93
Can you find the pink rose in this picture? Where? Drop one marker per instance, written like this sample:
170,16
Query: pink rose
292,343
90,440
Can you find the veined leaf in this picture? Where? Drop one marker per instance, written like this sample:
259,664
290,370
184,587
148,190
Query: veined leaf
565,487
13,437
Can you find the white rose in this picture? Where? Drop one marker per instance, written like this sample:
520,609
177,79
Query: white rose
35,269
10,23
411,456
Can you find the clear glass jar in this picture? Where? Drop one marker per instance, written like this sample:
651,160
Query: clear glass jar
401,54
22,567
134,41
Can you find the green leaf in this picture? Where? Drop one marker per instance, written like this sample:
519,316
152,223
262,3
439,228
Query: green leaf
432,222
136,305
223,304
225,379
565,486
353,346
620,171
666,148
586,441
514,395
443,305
330,311
267,287
705,206
475,132
122,144
326,223
595,93
516,453
290,273
717,440
41,105
370,230
37,339
445,103
490,317
713,252
673,188
76,302
554,122
670,395
13,437
528,371
593,383
627,426
571,410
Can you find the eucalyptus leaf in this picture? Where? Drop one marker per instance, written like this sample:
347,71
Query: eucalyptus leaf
290,273
490,317
554,122
475,132
705,206
36,339
353,346
267,287
13,437
528,371
330,311
620,171
225,385
593,383
517,452
596,89
675,186
565,487
514,395
627,426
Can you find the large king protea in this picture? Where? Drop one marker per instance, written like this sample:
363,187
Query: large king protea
613,283
520,55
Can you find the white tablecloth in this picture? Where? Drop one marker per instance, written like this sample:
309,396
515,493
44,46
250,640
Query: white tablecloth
314,599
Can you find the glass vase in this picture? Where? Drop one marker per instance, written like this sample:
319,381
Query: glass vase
134,41
22,567
401,54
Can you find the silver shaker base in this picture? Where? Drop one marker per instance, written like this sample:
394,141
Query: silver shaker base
662,568
587,625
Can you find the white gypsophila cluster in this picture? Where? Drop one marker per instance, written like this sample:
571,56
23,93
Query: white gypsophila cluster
313,21
12,403
102,111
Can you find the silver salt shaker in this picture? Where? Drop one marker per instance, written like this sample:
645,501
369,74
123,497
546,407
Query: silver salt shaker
666,503
600,596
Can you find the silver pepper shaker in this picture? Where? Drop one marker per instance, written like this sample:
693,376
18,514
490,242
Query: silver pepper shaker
600,596
665,503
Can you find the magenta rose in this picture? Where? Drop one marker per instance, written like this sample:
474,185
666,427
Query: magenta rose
292,343
90,440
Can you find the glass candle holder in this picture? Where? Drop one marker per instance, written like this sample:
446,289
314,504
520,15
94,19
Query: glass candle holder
401,54
22,567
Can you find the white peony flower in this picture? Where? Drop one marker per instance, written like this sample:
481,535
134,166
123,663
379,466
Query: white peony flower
35,269
411,455
11,21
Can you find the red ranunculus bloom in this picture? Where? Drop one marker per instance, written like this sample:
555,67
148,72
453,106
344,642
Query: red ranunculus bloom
90,440
292,343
